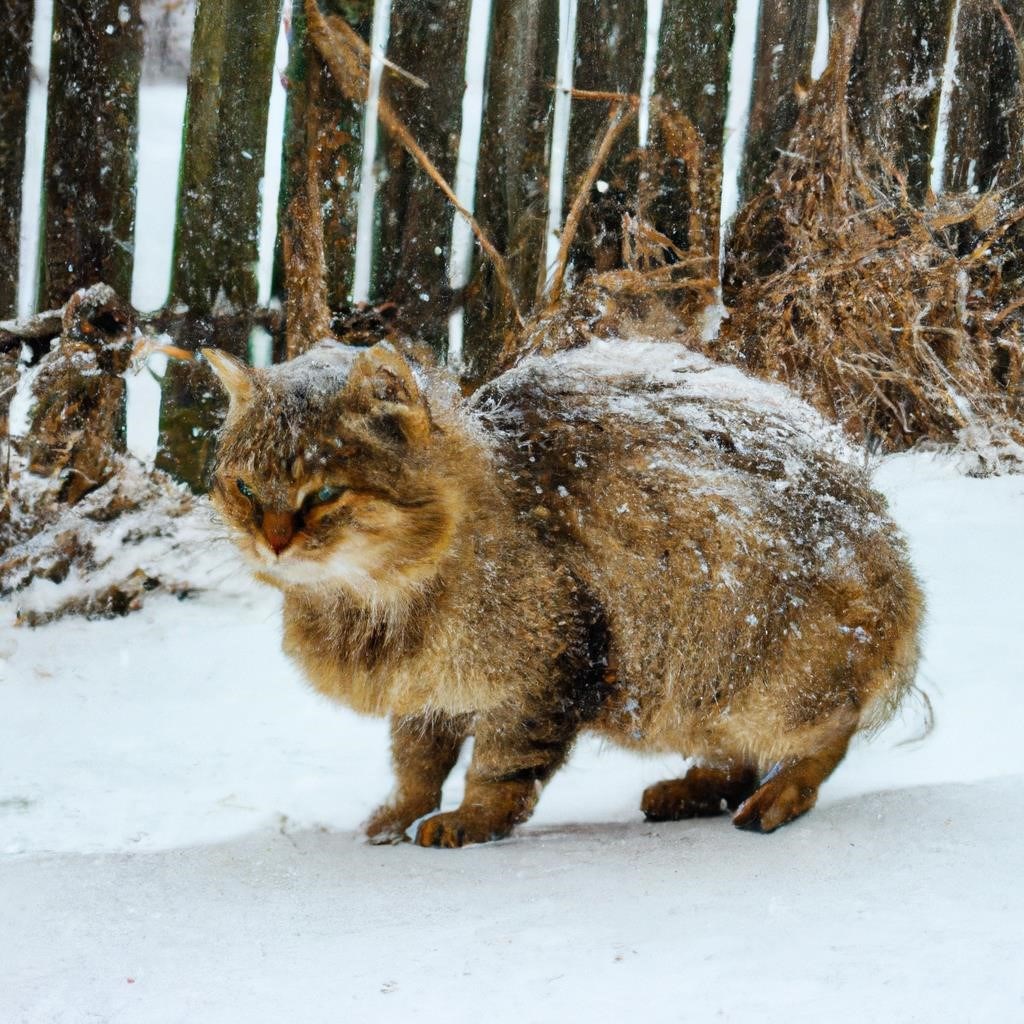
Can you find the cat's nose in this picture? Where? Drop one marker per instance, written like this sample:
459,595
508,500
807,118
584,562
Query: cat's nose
278,528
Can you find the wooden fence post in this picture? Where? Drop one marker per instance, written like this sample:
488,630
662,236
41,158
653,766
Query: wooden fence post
15,72
91,128
985,131
896,81
693,79
335,131
428,40
610,38
785,48
216,244
512,180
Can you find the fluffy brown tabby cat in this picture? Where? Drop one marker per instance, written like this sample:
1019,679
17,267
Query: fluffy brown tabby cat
626,538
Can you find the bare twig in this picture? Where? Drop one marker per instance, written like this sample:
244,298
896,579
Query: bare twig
347,56
619,118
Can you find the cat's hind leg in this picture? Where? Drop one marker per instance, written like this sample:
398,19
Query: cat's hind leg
703,792
791,787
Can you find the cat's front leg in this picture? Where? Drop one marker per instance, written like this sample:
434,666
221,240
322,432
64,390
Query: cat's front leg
423,752
512,759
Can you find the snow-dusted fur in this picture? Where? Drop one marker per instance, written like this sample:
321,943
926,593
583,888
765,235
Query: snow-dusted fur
627,538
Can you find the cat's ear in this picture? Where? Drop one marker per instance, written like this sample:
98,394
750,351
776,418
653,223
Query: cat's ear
383,384
233,374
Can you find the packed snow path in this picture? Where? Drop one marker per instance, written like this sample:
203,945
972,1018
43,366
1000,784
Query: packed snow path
178,832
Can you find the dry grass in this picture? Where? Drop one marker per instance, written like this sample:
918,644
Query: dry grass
900,323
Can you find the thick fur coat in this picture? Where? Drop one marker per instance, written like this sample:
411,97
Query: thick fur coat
625,538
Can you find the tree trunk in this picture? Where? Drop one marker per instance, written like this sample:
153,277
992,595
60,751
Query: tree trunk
91,131
610,38
785,48
428,39
15,72
896,80
693,81
216,245
985,137
513,167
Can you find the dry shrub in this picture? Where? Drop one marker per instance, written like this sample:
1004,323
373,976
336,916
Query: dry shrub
899,323
667,278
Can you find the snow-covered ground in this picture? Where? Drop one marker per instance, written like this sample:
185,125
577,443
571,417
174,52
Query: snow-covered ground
179,838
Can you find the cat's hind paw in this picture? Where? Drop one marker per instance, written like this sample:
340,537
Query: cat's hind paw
781,799
702,793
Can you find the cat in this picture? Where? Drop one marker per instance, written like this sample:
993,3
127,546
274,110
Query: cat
626,538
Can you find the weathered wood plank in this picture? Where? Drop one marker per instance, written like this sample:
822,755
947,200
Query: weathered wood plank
896,80
15,75
216,244
693,80
785,48
610,43
428,40
512,181
91,130
985,134
336,133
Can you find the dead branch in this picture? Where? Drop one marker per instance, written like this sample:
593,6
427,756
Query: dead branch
619,118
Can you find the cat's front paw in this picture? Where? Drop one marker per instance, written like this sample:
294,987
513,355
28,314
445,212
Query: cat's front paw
459,828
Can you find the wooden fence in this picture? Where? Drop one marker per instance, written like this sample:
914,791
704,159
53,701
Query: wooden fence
88,211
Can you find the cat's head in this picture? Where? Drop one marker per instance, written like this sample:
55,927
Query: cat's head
331,471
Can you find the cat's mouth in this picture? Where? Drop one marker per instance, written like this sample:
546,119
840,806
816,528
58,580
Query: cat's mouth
347,565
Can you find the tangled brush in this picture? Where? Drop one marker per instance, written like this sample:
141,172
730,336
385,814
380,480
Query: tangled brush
899,323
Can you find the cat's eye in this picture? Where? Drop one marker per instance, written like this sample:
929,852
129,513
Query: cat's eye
324,495
245,490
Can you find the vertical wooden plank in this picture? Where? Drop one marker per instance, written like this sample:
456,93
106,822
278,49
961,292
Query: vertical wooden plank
92,124
896,80
15,72
785,49
216,243
610,43
693,79
340,142
428,40
512,181
337,136
985,137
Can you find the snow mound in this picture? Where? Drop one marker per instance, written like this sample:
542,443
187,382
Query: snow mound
140,532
